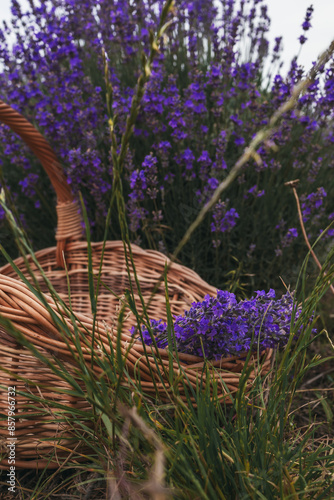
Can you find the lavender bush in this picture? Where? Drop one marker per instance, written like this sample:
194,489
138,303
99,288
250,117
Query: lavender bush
221,326
206,97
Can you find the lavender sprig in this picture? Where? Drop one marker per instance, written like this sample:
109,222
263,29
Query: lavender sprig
221,326
54,76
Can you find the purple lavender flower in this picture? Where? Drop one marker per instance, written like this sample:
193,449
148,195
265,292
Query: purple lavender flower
221,326
288,238
158,329
312,202
200,108
224,220
28,184
307,22
258,193
239,141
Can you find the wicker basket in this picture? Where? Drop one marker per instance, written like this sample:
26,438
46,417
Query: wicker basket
40,436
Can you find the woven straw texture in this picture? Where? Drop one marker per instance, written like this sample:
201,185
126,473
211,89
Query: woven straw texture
42,439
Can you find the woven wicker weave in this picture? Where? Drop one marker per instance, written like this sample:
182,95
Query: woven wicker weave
38,436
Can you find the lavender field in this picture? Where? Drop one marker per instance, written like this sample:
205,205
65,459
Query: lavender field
179,130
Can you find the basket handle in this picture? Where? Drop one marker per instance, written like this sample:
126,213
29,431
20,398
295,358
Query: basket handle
69,226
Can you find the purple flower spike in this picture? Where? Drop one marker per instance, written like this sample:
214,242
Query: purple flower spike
222,326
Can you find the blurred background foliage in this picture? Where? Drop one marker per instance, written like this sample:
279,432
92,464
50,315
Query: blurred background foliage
207,96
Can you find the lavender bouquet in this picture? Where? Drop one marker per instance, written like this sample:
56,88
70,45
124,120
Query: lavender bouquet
221,326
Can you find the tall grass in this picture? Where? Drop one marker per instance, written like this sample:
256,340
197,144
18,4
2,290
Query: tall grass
136,446
304,150
144,448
